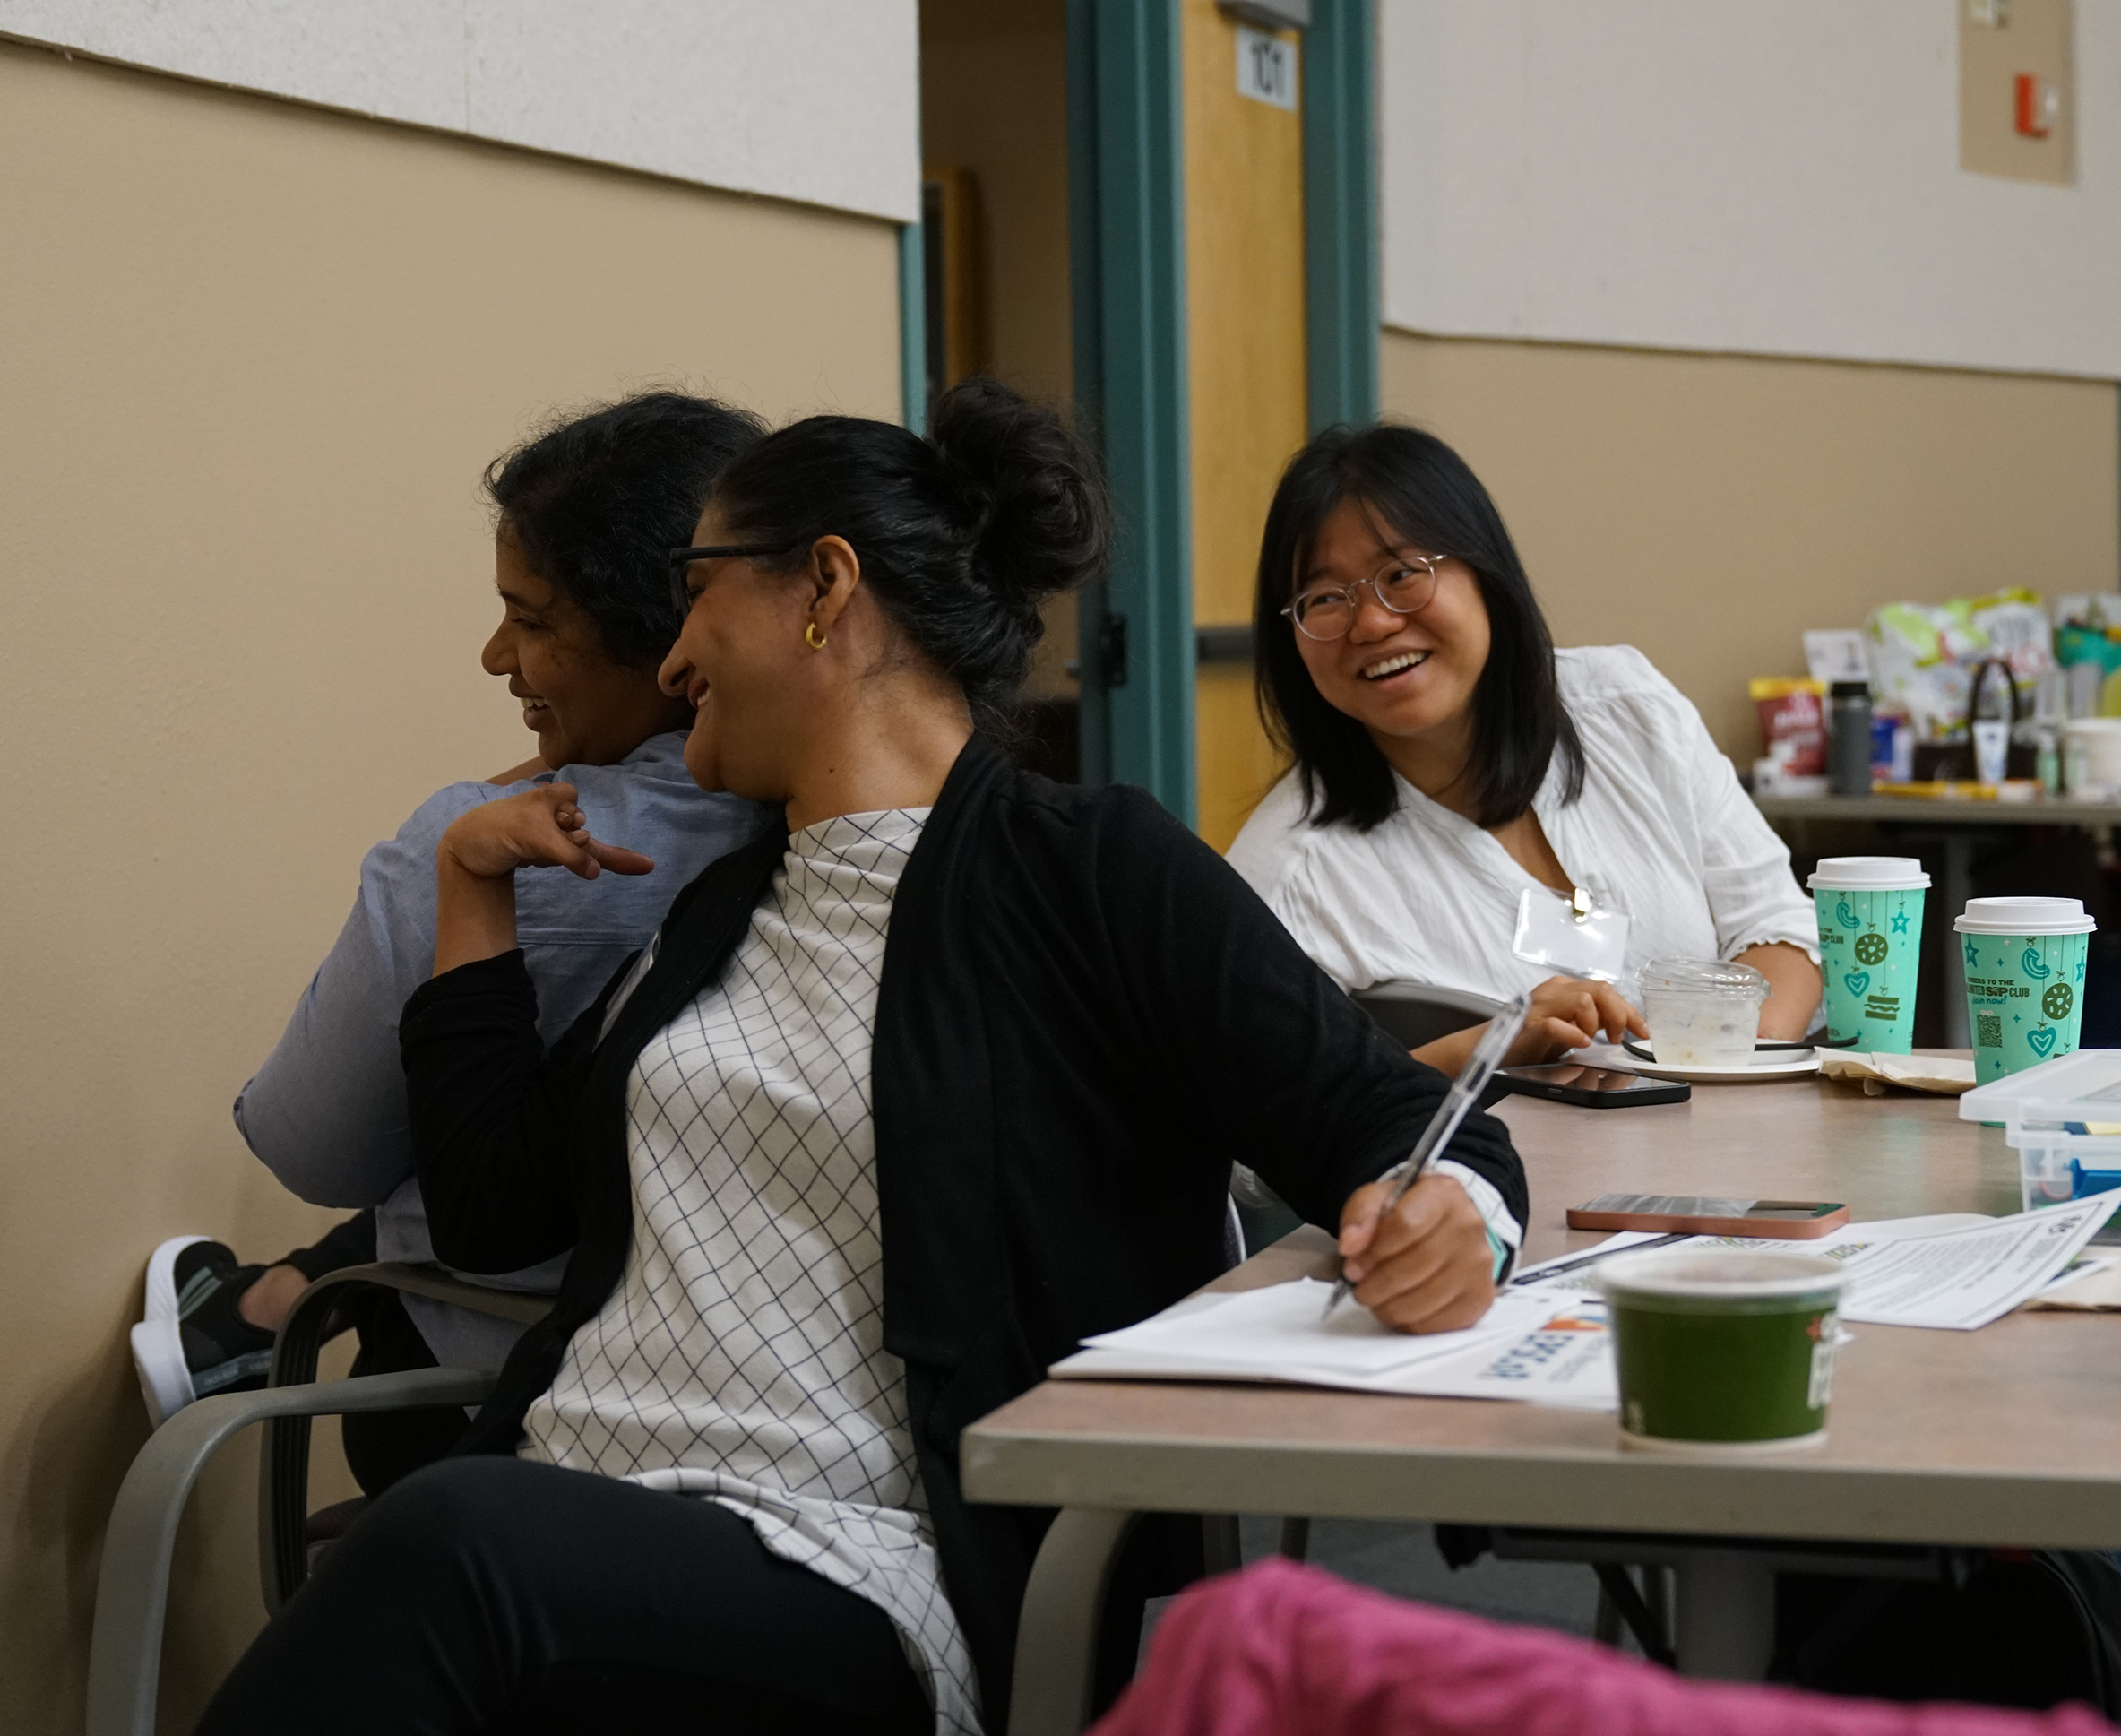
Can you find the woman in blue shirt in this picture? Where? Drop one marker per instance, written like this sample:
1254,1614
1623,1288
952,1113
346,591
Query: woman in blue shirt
587,512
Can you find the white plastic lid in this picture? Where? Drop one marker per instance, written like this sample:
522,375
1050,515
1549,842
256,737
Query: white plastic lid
1867,874
2024,916
1733,1275
1704,976
2085,1086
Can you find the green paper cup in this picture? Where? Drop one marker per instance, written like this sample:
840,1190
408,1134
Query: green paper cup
1870,948
2024,980
1723,1351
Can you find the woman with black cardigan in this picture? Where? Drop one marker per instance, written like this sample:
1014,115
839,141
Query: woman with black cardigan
899,1106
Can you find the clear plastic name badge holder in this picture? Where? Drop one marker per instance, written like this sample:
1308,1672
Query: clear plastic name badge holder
1571,935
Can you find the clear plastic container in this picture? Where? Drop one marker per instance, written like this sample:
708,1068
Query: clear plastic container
1702,1011
2058,1117
2055,1165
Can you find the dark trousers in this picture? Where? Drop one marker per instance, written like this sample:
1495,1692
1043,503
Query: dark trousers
351,1243
490,1595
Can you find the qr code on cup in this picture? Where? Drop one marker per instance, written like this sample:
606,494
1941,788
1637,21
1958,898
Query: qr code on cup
1988,1030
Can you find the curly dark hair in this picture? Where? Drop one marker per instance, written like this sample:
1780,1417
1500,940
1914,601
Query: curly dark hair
596,501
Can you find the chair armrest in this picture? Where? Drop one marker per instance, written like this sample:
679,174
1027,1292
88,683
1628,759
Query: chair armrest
132,1586
283,1464
302,1336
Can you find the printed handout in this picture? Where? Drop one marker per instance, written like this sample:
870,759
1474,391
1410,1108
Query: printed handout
1545,1340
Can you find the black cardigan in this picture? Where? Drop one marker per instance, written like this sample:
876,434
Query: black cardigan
1085,1017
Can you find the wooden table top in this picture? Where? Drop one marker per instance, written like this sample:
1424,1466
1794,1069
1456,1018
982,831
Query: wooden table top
2010,1435
1947,810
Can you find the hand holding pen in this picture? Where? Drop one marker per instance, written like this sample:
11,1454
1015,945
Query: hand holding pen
1398,1182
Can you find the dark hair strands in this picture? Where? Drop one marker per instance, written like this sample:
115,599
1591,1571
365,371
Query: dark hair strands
595,501
960,535
1424,494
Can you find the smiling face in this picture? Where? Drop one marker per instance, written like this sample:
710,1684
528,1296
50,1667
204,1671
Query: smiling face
1406,679
743,665
586,709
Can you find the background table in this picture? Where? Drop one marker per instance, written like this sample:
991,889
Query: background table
2011,1435
1951,826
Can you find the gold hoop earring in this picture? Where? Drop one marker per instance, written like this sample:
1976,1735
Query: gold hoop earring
814,636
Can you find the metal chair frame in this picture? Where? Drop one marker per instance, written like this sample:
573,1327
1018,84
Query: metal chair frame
132,1585
1414,1013
283,1467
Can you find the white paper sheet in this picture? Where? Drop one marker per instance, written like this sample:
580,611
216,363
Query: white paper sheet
1545,1341
1954,1271
1283,1333
1566,1359
1545,1349
1966,1278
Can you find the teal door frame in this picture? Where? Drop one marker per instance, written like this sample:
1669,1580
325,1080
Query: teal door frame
913,328
1341,287
1127,274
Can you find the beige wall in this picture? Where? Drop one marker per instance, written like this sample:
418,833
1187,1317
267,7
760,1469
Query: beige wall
256,358
1710,508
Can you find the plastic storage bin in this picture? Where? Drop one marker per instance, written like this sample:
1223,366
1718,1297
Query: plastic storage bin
2049,1113
2055,1165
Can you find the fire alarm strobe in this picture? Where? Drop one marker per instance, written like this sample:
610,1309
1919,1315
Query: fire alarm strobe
2038,105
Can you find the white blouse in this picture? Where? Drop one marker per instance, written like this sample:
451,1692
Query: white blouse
741,1358
1662,831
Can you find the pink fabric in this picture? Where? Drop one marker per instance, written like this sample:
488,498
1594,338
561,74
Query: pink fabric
1283,1650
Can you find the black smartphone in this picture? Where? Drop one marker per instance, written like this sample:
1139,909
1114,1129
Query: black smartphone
1593,1087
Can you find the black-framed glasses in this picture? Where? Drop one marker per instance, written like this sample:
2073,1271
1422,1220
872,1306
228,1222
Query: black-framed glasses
1325,613
682,559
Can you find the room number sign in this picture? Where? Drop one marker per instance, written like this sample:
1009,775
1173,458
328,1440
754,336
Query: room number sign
1266,68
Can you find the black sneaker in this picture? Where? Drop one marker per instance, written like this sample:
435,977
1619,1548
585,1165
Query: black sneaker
191,1341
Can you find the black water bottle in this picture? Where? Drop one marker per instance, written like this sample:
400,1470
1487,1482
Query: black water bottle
1849,739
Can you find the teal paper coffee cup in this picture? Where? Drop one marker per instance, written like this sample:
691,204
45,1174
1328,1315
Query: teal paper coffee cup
1723,1351
1870,948
2024,980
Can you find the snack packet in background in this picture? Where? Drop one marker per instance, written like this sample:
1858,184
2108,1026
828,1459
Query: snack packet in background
2015,624
1792,723
2088,647
1922,658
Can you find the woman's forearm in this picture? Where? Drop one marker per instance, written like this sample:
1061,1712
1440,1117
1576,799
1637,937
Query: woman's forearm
474,915
1794,983
1448,1054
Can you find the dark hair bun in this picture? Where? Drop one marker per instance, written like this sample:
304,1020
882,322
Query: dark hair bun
959,535
1030,488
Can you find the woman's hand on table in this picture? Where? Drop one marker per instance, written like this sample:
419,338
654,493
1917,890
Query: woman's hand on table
475,867
1424,1267
1565,1013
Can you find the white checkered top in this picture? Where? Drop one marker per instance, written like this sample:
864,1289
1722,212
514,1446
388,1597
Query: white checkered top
741,1358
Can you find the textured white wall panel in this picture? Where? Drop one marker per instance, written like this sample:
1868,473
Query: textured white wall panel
810,100
813,99
402,59
1778,179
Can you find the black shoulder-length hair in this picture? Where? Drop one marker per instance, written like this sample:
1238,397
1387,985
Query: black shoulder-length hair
1424,494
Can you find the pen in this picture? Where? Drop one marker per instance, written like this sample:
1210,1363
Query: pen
1539,1274
1465,1091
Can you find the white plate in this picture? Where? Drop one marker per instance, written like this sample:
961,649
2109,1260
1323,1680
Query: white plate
1766,1064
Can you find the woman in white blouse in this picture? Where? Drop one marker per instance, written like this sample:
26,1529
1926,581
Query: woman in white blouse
1447,758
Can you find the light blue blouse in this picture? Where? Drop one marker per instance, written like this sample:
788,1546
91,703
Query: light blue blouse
327,1113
